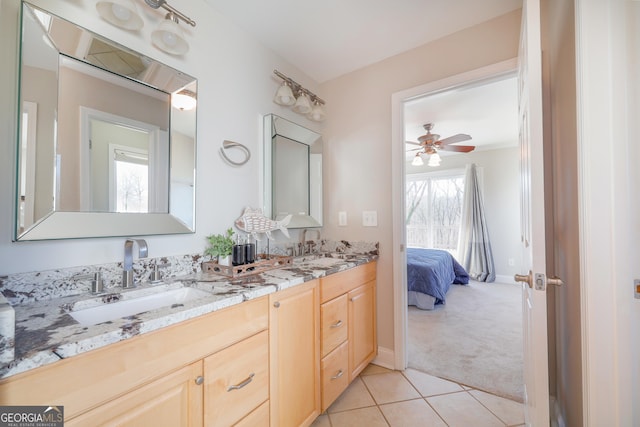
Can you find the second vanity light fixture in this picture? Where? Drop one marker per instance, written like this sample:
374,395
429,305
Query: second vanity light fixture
301,100
168,36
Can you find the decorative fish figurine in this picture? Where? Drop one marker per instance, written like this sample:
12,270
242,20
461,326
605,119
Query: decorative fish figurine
253,221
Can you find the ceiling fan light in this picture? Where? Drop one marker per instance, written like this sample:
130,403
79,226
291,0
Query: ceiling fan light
417,160
284,95
434,160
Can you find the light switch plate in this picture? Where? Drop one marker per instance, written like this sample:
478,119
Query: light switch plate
342,219
370,218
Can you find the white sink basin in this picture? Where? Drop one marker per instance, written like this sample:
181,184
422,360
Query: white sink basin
106,312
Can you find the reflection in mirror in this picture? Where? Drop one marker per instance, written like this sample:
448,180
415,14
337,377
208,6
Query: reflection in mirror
102,152
293,173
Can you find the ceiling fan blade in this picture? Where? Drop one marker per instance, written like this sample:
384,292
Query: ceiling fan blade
414,149
453,139
413,143
458,148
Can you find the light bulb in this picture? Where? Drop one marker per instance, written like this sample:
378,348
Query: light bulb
120,12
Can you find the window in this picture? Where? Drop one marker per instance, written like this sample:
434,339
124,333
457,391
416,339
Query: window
130,183
434,208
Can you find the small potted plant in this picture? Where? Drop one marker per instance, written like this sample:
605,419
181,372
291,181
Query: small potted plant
220,247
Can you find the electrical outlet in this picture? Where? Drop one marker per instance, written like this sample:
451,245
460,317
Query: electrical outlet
512,262
370,218
342,219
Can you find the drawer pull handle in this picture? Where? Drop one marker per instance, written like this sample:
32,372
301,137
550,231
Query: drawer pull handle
337,324
276,304
199,380
338,375
242,384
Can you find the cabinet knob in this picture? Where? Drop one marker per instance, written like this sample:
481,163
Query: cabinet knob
276,304
199,380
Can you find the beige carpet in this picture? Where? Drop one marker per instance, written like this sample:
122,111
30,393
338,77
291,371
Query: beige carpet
474,339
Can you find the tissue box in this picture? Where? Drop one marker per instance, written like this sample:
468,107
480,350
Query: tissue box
7,331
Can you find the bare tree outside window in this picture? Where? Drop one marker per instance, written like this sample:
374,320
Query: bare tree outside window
434,210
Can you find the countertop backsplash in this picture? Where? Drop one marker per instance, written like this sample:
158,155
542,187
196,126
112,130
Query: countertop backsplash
22,288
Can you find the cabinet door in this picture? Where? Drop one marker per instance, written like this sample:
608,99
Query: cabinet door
236,381
172,401
362,327
295,355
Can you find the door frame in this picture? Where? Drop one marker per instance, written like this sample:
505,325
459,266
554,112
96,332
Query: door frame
487,73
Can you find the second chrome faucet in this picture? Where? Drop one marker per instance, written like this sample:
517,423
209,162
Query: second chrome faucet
127,273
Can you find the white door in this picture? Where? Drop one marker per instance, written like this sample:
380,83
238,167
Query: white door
534,283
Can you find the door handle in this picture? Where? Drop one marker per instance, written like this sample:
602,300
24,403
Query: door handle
539,280
528,279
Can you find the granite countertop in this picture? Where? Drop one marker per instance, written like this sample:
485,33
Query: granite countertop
45,332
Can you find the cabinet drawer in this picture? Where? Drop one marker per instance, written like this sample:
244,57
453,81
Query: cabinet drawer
340,283
333,323
335,374
236,380
258,418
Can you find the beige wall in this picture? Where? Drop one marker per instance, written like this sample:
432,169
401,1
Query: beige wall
357,135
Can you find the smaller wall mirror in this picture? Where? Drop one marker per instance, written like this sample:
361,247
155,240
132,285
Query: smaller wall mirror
293,173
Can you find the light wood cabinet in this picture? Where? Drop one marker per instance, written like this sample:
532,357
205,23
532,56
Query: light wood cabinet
172,401
134,377
294,326
362,328
236,381
348,319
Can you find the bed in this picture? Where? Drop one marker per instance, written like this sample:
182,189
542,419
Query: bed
430,273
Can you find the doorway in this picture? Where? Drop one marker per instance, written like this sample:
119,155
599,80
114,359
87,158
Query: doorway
402,169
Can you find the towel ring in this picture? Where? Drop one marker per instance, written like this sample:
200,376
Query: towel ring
230,144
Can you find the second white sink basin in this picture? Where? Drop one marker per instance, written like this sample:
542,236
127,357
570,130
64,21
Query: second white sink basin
106,312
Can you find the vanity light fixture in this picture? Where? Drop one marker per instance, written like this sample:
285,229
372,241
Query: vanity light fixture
168,36
284,95
302,100
121,13
184,100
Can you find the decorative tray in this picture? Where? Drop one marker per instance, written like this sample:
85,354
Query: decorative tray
261,264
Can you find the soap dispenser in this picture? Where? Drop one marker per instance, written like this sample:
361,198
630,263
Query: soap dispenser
237,256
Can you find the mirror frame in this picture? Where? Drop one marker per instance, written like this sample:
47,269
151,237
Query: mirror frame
278,126
72,225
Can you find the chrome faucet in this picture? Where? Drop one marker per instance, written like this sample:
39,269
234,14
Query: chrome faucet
306,249
127,274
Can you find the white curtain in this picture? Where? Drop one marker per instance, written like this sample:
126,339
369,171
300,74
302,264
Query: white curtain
474,246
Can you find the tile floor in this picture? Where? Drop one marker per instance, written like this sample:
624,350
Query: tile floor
381,397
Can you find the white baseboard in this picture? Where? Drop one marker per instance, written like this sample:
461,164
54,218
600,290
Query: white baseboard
505,279
385,358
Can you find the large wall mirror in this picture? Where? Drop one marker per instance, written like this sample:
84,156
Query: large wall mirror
293,172
104,150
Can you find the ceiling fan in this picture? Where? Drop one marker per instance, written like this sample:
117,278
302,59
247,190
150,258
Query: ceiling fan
430,143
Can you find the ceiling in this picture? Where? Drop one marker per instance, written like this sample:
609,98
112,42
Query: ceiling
329,38
487,112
